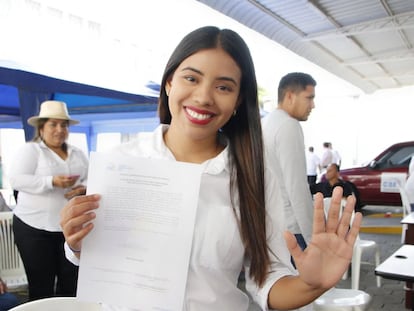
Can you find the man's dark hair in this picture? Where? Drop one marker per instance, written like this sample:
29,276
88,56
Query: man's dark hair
336,166
295,82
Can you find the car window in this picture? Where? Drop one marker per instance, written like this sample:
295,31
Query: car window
396,158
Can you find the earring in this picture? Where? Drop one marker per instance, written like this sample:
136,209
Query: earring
234,112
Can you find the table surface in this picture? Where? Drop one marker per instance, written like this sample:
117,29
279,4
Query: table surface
399,266
409,219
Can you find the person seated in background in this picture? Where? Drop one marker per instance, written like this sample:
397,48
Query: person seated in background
333,179
7,300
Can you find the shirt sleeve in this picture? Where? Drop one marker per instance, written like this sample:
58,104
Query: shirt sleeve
22,171
70,255
290,153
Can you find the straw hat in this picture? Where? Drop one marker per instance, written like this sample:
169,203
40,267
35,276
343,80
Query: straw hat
52,109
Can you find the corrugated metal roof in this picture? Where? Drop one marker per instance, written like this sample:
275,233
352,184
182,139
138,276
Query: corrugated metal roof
366,42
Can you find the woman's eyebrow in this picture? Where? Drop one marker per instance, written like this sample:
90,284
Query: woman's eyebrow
201,73
192,69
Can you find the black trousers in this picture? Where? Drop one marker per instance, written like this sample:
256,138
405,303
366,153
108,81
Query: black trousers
48,271
312,179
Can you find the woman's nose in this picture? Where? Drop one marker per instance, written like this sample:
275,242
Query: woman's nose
204,94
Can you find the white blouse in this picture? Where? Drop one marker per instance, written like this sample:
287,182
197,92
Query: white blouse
217,254
31,173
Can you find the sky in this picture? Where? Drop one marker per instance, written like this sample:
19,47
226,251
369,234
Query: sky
125,43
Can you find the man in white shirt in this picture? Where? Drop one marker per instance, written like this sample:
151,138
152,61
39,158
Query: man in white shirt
284,143
312,166
327,157
336,157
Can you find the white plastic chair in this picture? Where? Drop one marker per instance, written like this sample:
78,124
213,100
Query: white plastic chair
406,211
11,266
57,304
340,299
359,247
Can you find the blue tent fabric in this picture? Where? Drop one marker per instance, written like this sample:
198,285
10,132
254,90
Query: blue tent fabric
9,99
21,93
41,83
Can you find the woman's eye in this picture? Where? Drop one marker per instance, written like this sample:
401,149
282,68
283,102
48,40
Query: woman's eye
224,88
190,78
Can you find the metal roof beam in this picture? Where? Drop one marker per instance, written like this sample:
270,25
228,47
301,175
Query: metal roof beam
395,76
280,19
316,7
392,56
400,21
399,31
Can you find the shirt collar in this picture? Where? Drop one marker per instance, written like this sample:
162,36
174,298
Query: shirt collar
212,166
43,145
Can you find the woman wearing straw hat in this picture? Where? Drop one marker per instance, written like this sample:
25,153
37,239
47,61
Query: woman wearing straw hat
47,172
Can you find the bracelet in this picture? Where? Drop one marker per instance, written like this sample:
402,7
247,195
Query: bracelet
74,250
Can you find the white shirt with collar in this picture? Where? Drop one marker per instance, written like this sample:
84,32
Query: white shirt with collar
312,163
327,157
217,254
31,173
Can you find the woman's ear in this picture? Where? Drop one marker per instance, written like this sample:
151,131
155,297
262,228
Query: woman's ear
168,87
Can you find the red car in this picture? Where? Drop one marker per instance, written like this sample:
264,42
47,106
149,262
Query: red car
369,179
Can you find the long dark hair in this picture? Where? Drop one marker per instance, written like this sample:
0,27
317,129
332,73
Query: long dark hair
245,139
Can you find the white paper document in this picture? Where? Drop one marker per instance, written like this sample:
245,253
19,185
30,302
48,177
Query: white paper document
138,253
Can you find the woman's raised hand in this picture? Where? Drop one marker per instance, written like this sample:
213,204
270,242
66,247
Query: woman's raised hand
328,255
75,219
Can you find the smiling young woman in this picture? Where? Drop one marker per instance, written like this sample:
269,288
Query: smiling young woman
209,114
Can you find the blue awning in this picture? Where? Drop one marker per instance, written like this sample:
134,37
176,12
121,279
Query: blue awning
21,93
